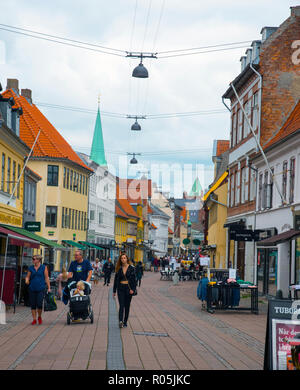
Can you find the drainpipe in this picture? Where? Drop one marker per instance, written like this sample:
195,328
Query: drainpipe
215,201
260,95
259,145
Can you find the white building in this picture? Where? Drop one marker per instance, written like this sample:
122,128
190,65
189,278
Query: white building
159,231
278,207
102,194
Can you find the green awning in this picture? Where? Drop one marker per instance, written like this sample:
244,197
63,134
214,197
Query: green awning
74,243
90,244
40,239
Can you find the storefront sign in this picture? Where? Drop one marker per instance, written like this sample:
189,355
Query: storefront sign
283,324
33,226
245,235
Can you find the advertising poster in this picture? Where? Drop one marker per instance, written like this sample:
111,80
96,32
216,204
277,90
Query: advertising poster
283,331
282,334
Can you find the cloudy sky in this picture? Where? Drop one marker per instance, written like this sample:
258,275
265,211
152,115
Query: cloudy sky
69,76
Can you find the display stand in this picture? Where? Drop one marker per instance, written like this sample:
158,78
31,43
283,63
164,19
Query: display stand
224,297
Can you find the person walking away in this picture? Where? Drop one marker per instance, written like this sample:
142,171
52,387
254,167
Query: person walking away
124,285
139,271
107,269
62,281
37,278
96,270
80,269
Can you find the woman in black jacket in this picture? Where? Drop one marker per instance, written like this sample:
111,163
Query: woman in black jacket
125,285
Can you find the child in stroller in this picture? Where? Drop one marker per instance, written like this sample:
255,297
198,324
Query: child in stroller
80,306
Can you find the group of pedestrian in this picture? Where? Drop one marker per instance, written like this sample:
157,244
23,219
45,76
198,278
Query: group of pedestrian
127,277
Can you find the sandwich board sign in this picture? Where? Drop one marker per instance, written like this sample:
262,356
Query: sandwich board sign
283,326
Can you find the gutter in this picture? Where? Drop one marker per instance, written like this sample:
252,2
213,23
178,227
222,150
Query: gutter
260,95
215,201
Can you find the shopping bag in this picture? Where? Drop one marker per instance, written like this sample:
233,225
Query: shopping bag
49,302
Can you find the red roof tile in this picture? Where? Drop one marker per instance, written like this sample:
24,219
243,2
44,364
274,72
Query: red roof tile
50,142
123,202
136,189
120,212
291,125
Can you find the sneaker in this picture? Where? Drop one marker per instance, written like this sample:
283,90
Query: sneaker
33,322
120,324
40,320
125,325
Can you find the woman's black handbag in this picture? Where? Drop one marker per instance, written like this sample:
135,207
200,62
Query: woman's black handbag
135,291
49,302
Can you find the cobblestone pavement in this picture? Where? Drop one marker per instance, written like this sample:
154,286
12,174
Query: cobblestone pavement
167,330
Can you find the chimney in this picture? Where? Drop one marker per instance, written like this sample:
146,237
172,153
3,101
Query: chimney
243,62
27,93
266,32
13,84
295,11
248,56
255,51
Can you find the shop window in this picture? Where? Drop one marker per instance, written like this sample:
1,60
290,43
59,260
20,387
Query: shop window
3,172
297,262
292,180
255,111
52,178
284,180
51,216
8,175
18,188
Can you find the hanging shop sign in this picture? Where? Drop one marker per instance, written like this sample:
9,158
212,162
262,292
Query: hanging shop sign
33,226
186,241
245,235
196,242
282,345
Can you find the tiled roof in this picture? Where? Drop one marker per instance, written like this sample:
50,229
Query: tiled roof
120,212
124,204
134,187
50,142
222,146
291,125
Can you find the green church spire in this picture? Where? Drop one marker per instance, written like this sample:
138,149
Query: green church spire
97,151
196,189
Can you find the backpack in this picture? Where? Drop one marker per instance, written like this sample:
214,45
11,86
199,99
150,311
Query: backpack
49,302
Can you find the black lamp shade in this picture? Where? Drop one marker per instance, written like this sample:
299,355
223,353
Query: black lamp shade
133,161
136,126
140,72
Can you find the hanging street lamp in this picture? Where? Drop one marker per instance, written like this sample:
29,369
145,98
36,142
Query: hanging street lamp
140,71
134,160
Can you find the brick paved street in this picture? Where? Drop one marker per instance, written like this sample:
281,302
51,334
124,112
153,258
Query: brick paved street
167,330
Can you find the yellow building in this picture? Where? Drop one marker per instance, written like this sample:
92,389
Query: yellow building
62,194
215,204
12,154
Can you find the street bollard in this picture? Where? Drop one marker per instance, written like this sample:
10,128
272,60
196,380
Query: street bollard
175,279
2,313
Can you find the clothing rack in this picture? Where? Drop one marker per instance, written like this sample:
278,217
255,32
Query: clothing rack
226,296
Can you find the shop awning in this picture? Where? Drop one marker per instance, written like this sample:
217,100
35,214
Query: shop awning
278,238
33,236
75,244
18,239
90,245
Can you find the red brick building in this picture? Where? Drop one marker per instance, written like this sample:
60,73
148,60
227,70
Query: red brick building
268,88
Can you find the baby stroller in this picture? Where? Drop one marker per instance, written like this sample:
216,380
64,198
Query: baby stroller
80,307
